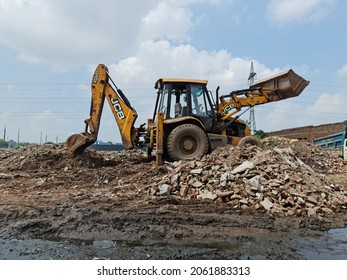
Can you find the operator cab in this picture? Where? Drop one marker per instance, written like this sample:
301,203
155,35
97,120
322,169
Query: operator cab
180,98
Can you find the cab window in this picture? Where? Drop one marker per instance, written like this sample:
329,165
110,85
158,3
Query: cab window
200,104
162,108
179,103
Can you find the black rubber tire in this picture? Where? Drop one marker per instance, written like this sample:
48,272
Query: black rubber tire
187,141
250,140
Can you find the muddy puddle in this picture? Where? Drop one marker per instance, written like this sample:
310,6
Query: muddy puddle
329,245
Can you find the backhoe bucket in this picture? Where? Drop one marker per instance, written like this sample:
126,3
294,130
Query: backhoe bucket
77,143
284,85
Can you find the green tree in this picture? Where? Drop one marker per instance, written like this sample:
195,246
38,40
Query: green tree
260,134
23,144
3,143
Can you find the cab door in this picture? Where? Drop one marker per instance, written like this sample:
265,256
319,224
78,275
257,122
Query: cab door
201,106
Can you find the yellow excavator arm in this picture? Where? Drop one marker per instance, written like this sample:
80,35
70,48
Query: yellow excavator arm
122,111
282,86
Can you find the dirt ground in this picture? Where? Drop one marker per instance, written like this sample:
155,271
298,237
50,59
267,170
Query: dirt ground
107,205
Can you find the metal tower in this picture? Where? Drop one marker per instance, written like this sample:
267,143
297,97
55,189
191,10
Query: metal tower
251,78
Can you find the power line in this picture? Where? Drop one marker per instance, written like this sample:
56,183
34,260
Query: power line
6,84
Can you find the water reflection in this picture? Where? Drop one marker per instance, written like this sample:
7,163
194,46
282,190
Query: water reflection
329,245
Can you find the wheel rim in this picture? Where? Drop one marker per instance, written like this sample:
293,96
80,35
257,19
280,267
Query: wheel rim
187,145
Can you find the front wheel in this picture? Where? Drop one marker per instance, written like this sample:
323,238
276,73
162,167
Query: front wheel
250,140
187,141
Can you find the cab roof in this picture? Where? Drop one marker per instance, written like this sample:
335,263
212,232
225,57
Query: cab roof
179,80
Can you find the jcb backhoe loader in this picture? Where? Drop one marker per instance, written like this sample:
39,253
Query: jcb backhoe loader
187,122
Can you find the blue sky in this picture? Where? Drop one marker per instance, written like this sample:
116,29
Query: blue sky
49,50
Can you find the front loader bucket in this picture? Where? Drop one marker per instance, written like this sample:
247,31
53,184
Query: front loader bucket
284,85
77,143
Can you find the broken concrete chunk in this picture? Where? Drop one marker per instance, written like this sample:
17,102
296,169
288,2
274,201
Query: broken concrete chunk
312,211
164,189
207,195
298,194
235,196
311,199
224,176
327,210
296,178
300,201
305,165
290,200
183,190
197,184
243,167
309,205
196,171
224,194
256,181
5,176
266,203
288,151
243,201
273,184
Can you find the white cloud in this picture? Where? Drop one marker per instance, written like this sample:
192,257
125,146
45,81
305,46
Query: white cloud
71,31
343,71
168,21
30,58
48,125
155,59
292,11
84,31
328,104
301,111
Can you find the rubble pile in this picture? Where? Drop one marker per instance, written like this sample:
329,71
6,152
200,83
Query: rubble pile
322,160
31,157
56,157
285,178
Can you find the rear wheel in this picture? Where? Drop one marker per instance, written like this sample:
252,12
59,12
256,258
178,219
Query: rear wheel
250,140
187,141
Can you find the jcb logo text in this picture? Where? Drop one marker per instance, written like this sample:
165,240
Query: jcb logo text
117,108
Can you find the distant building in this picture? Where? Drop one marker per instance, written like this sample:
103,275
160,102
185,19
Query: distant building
308,133
104,146
11,144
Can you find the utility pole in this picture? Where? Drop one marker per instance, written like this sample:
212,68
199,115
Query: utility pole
5,133
251,78
18,137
